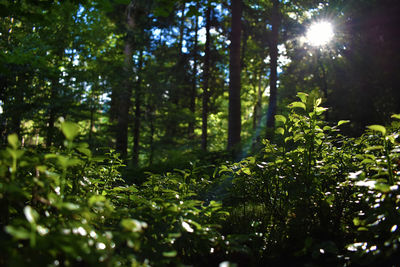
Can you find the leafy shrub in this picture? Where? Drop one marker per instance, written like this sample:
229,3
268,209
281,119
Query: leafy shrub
66,207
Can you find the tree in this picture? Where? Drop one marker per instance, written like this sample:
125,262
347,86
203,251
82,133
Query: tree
273,48
125,91
206,76
234,116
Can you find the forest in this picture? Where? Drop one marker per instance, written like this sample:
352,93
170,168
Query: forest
199,133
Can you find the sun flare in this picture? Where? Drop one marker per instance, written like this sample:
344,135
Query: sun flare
319,33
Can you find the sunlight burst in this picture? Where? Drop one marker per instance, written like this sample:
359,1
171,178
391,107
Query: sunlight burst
320,33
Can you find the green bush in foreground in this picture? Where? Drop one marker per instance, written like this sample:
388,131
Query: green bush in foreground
68,208
316,197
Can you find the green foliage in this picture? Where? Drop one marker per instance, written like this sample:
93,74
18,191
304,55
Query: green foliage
69,208
315,196
319,194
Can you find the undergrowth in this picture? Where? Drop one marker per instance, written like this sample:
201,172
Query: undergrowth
314,197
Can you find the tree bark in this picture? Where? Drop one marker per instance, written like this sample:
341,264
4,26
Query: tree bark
193,93
273,78
125,92
234,116
206,76
138,113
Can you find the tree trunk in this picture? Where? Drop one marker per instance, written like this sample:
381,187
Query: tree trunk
193,93
125,92
206,76
234,117
152,132
258,105
273,48
138,113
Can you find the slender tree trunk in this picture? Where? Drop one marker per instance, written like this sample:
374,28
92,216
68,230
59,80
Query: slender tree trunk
55,86
92,111
125,92
206,76
258,105
193,93
273,48
138,113
234,116
152,131
181,28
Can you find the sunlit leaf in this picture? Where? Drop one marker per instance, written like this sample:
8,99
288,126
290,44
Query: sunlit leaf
15,153
384,188
85,151
69,206
31,215
377,128
302,96
280,131
170,254
343,122
320,110
70,130
133,225
396,116
280,118
297,105
18,232
246,171
13,141
187,227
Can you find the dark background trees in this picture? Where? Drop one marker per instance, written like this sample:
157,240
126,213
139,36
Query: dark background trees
164,108
159,80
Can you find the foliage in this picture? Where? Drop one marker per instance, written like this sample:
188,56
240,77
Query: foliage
69,208
318,194
315,196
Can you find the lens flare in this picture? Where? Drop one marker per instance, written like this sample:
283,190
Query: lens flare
320,33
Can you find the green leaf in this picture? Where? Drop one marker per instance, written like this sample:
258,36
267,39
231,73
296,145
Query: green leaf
246,171
69,206
280,131
302,96
318,102
17,232
377,128
95,199
384,188
396,116
297,105
16,154
70,130
280,118
85,151
320,110
30,214
170,254
13,140
343,122
133,225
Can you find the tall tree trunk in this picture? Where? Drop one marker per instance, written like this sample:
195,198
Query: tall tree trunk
258,105
234,116
55,86
138,113
152,132
273,48
125,92
206,76
92,112
193,93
